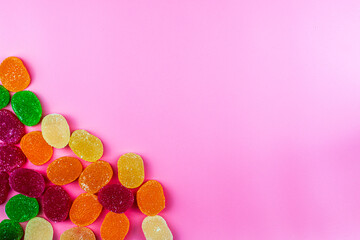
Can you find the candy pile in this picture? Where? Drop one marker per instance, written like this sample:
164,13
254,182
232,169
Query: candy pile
57,206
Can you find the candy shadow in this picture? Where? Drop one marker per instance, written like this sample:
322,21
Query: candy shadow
30,69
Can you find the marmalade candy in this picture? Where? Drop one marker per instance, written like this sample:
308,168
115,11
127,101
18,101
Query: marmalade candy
55,130
36,148
10,230
116,198
27,182
131,170
78,233
64,170
27,107
11,157
56,203
150,198
4,97
114,227
11,129
4,187
13,74
86,146
21,208
95,176
38,229
85,209
156,228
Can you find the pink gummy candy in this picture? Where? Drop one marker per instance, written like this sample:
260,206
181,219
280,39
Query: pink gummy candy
27,182
56,203
11,157
116,198
4,186
11,129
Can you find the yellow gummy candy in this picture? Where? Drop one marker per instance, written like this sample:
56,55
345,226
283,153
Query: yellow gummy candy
38,229
131,170
156,228
86,146
55,130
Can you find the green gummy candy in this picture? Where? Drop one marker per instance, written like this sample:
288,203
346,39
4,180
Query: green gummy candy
4,97
27,107
21,208
10,230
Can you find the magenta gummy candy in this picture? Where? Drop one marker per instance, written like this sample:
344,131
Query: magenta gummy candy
27,182
116,198
56,203
11,157
4,186
11,129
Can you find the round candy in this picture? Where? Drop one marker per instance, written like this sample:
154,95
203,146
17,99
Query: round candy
4,97
64,170
13,74
95,176
114,227
131,170
4,186
56,203
35,148
27,107
10,230
11,157
155,227
21,208
150,198
27,182
11,129
38,229
86,146
55,130
78,233
116,198
85,210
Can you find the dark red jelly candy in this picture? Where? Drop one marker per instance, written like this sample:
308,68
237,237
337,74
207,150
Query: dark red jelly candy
11,129
27,182
11,157
4,186
56,203
116,198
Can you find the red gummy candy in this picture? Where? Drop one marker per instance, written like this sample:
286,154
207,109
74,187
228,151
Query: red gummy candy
56,203
116,198
4,186
11,129
11,157
27,182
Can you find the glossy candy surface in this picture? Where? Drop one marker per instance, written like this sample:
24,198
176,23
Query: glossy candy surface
156,228
95,176
78,233
27,107
4,186
4,97
55,130
38,229
36,148
13,74
10,230
11,157
86,146
56,203
150,198
116,198
85,210
114,227
21,208
27,182
131,170
64,170
11,129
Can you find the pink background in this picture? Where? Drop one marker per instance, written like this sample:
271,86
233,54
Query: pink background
248,112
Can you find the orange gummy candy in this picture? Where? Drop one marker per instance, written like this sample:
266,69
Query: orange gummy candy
13,74
114,227
36,148
150,198
95,176
85,210
64,170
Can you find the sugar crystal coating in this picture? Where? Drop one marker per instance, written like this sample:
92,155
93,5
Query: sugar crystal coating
85,210
38,229
156,228
27,107
56,203
11,129
27,182
11,157
78,233
35,148
64,170
21,208
150,198
4,97
55,130
115,226
10,230
116,198
95,176
86,146
131,170
13,74
4,186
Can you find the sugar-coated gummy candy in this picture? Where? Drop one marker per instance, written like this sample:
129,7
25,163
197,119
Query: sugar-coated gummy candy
55,130
95,176
11,129
156,228
78,233
13,74
86,146
21,208
114,227
38,229
4,97
4,186
10,230
64,170
27,107
27,182
36,148
85,209
131,170
11,157
150,198
116,198
56,203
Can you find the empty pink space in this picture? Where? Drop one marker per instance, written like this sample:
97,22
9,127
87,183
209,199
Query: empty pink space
246,111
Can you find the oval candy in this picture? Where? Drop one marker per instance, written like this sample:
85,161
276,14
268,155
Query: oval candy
38,229
21,208
55,130
85,210
14,75
11,157
95,176
64,170
4,97
27,182
86,146
114,227
131,170
150,198
56,203
10,230
11,129
36,148
27,107
155,227
78,233
116,198
4,187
